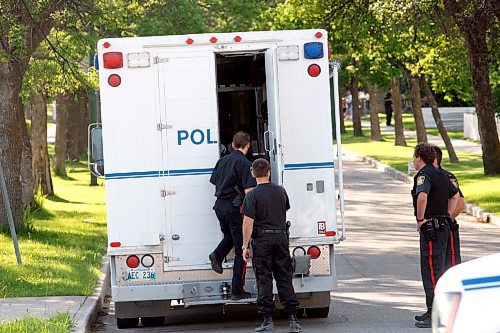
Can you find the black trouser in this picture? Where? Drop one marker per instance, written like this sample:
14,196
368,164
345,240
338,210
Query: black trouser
231,223
271,257
388,117
432,260
453,256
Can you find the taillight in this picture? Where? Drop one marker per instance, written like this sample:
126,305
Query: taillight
213,40
237,39
114,80
314,70
112,60
314,252
318,34
133,261
115,244
189,41
147,260
330,233
106,45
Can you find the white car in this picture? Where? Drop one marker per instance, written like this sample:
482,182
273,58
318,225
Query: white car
467,298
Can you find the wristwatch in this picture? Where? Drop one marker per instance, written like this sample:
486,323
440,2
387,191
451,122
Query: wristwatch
243,248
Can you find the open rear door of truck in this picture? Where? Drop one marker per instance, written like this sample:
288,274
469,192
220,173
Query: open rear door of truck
188,99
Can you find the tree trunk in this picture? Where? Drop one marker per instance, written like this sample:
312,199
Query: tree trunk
374,122
398,113
417,109
41,164
27,181
73,127
11,145
63,103
356,111
439,123
485,108
83,124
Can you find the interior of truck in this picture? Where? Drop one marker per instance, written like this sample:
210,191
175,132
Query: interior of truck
241,83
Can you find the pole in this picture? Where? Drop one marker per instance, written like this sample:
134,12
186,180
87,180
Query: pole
92,106
336,69
6,202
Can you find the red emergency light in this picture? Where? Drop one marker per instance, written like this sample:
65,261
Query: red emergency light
112,60
318,34
330,233
189,41
314,252
314,70
115,244
106,45
213,40
114,80
133,261
237,39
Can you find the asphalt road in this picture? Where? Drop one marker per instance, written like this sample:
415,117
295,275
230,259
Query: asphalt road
377,266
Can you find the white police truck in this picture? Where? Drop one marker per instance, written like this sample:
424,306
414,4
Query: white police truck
169,107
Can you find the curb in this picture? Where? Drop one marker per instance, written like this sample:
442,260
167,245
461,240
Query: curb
89,309
473,210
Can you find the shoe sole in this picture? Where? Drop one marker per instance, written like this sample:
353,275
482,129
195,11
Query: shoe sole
214,264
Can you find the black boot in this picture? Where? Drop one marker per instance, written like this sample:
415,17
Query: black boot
426,323
293,324
266,326
424,316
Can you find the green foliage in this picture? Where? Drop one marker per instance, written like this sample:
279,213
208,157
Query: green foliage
63,246
59,323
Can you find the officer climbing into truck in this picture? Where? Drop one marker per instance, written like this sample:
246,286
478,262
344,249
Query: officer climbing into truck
264,220
434,200
231,177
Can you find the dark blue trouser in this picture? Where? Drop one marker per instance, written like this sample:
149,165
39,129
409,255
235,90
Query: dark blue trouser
271,258
432,260
453,256
231,223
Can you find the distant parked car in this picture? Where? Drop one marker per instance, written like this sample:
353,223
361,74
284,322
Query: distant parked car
467,298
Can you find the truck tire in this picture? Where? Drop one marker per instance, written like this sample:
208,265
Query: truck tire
126,322
152,321
318,312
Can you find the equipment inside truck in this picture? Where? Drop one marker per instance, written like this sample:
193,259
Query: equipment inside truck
242,106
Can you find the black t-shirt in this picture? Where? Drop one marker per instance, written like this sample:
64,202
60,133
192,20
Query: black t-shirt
388,105
230,171
267,205
438,187
453,180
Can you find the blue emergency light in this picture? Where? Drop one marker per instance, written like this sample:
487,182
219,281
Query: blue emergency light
96,62
313,50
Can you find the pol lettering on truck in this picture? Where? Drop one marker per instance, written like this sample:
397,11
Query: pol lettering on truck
169,108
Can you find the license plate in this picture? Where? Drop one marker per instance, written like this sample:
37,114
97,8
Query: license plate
140,274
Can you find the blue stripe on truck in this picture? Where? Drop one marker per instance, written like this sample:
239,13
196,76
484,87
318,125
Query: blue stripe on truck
481,283
305,166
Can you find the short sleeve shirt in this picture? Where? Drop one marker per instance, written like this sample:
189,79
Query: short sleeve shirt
232,171
438,187
267,205
453,181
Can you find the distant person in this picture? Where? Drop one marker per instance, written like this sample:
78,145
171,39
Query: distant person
348,100
264,211
388,108
232,179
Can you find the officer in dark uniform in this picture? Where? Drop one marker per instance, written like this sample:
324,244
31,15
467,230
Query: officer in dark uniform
232,178
453,256
264,220
434,197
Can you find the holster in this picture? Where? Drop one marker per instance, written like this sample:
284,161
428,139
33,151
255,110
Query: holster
453,225
430,230
238,199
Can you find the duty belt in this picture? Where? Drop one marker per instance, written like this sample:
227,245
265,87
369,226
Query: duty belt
273,231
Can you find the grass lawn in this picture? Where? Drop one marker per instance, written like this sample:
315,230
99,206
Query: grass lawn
60,323
62,244
478,189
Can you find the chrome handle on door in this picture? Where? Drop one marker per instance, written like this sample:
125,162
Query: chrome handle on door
266,140
176,237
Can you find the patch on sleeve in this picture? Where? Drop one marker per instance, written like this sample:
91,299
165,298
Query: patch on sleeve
454,181
420,180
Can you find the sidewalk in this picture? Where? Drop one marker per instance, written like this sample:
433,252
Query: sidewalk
82,309
459,145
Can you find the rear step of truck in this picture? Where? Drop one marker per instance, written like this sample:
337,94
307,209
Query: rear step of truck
217,300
